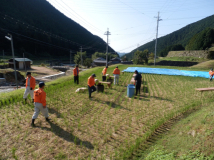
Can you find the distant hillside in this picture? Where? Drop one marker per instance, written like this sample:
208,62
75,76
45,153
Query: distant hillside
121,54
181,36
40,30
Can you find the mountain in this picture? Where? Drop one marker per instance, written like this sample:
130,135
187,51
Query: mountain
181,36
121,54
41,31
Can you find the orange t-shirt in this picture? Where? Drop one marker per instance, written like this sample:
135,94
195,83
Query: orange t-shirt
91,81
104,71
116,71
32,82
40,96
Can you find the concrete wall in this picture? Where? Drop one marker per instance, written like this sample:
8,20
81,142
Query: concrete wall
197,53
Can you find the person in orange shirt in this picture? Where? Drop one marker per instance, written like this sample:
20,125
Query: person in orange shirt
30,85
104,73
211,73
40,103
91,83
116,73
76,74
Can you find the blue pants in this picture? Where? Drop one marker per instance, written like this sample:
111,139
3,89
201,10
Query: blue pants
91,89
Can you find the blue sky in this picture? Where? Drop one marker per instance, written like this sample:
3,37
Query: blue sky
132,22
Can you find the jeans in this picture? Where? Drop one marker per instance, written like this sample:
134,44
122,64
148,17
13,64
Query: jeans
91,89
76,79
116,78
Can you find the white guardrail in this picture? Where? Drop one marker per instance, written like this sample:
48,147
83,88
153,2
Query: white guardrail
54,76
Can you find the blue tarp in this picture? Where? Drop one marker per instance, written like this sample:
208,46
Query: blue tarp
164,71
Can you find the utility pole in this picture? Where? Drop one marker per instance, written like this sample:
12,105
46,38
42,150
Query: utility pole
158,19
11,40
70,56
25,63
3,58
107,33
81,55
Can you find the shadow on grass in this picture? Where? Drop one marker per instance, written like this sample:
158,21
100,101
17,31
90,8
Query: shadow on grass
140,97
54,111
116,106
67,136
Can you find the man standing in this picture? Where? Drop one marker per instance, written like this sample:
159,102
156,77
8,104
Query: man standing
30,85
91,83
138,79
211,73
40,103
104,73
76,74
116,73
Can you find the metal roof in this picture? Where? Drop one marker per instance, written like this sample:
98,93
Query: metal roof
22,59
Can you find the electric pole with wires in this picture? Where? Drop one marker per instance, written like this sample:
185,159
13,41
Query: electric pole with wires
158,19
107,33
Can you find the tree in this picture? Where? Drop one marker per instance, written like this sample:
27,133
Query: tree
77,57
124,58
141,57
87,62
97,55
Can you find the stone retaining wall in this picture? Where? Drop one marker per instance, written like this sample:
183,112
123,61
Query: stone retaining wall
197,53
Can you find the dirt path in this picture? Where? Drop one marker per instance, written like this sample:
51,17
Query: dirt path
42,71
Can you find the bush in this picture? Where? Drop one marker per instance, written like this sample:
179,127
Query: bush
210,55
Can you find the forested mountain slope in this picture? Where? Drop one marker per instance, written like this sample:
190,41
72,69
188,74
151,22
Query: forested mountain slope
181,36
41,30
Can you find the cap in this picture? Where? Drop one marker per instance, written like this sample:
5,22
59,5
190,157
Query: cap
41,84
106,66
77,66
117,67
136,71
93,75
28,73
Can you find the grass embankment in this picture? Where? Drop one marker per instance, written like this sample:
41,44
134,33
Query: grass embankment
110,126
204,65
190,138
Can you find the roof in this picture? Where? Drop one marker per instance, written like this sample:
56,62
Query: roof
99,61
101,58
21,59
113,59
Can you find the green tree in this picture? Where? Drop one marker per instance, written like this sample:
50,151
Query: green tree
77,57
141,57
87,62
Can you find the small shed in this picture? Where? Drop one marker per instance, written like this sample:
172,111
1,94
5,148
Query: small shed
20,63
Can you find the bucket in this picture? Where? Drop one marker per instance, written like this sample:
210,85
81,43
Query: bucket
104,78
130,90
100,88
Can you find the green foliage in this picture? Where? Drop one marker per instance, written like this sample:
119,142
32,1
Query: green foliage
210,55
201,40
97,55
141,57
160,154
103,55
181,36
176,47
87,62
77,57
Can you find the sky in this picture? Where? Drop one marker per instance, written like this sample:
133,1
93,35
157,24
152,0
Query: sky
133,23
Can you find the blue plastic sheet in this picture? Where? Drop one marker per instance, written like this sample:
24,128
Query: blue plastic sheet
174,72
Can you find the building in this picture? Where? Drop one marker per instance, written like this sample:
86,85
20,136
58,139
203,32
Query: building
99,62
115,60
20,63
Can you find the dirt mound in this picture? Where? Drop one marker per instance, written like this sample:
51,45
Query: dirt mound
10,77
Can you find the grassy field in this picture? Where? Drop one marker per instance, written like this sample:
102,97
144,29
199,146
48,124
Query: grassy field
110,126
188,59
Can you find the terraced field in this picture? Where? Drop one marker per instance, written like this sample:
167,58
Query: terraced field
110,126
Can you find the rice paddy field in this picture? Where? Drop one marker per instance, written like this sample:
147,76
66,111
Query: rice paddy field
110,126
